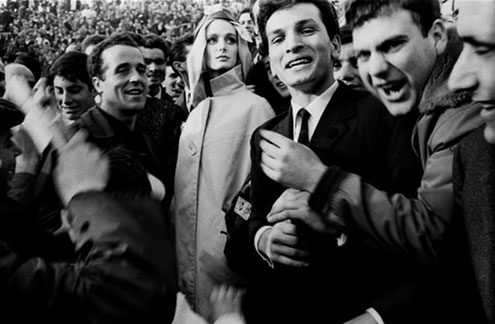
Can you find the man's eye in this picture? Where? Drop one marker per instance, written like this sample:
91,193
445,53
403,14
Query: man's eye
307,31
362,56
337,65
483,50
276,40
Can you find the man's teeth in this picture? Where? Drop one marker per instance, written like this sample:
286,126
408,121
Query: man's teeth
298,61
392,88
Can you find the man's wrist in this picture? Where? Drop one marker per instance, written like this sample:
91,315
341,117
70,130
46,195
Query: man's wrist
316,176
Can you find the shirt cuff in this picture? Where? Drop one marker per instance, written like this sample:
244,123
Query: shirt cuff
375,315
341,240
231,318
257,238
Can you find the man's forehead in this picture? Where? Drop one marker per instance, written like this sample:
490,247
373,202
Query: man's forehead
476,19
379,29
119,54
293,15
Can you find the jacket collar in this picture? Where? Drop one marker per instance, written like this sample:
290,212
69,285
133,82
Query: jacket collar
227,82
436,95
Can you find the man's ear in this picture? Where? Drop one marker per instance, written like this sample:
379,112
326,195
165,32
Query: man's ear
336,46
97,85
438,34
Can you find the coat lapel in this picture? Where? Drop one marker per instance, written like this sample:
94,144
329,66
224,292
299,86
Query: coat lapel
334,121
285,127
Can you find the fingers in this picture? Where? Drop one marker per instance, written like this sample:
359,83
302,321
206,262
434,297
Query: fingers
275,138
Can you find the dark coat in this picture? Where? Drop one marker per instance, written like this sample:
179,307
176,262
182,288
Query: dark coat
474,188
357,133
124,272
130,155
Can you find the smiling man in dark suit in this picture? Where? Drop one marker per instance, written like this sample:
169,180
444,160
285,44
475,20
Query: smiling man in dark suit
293,264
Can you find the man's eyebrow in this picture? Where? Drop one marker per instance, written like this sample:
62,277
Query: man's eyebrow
298,24
391,41
476,42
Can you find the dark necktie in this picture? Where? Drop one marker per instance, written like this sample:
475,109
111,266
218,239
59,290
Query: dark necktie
303,133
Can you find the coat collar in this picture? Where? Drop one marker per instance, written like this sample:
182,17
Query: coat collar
436,95
228,82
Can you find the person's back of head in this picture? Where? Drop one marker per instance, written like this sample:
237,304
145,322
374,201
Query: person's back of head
268,7
90,41
30,62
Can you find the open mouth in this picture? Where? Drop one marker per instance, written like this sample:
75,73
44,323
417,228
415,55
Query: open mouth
298,62
393,90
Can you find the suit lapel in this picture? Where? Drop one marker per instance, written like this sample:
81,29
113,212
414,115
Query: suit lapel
334,121
285,127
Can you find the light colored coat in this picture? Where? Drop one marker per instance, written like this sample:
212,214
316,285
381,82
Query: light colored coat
213,163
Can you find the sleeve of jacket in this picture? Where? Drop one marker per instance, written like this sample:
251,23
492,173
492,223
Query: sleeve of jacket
391,221
125,273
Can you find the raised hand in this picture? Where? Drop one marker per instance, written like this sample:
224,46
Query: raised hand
81,167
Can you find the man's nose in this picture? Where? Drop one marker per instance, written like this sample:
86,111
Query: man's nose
378,64
293,42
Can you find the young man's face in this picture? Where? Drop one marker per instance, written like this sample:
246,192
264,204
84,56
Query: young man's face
155,63
173,83
73,98
123,85
274,80
475,69
246,21
345,67
395,60
300,49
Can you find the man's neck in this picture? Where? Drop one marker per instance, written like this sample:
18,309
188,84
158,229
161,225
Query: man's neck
306,96
153,90
128,119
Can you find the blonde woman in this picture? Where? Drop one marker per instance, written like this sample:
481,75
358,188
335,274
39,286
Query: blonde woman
214,149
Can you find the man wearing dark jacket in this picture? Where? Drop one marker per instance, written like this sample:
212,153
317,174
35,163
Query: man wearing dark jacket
474,161
405,53
124,272
319,279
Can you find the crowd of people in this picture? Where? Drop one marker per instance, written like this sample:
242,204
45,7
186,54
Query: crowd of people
276,161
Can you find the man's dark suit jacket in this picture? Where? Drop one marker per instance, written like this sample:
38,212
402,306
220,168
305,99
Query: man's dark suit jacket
357,133
473,249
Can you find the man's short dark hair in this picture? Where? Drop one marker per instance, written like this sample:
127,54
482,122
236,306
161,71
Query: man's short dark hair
91,40
328,14
178,49
155,41
95,61
246,10
424,12
71,66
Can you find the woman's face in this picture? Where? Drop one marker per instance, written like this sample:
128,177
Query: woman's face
221,47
